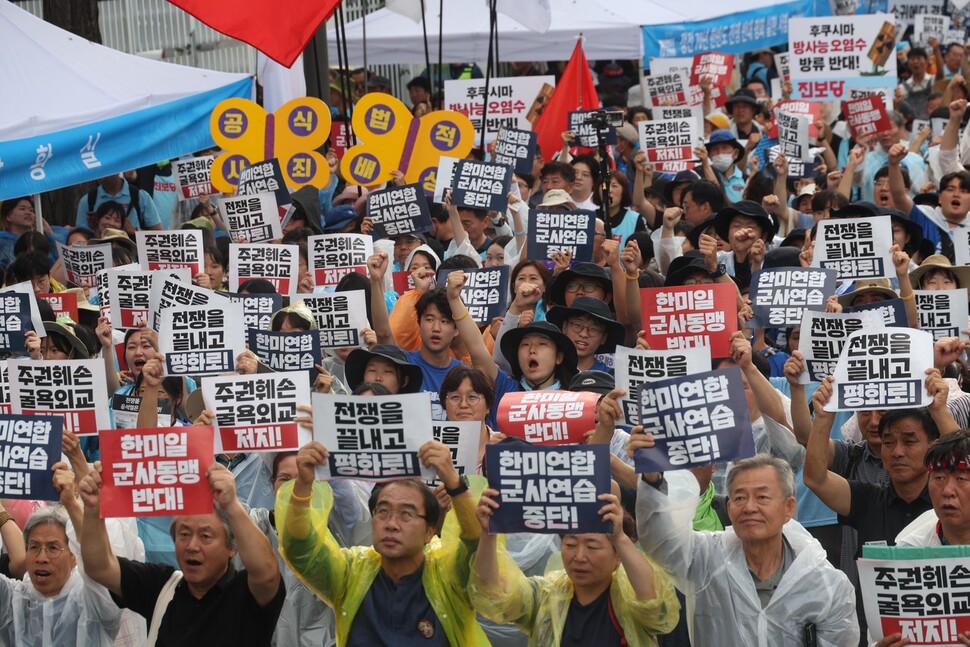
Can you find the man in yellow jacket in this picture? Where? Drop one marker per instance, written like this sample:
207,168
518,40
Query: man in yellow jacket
609,594
411,586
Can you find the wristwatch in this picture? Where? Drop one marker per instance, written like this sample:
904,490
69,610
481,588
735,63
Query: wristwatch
720,271
460,489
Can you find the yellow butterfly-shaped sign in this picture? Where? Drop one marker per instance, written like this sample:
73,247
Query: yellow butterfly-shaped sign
247,135
393,140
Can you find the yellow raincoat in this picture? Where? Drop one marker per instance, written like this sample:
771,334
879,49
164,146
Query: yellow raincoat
342,576
539,605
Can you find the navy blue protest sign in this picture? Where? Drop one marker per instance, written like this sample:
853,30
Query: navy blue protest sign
485,293
288,351
695,420
265,177
516,148
780,296
399,210
586,131
891,311
549,489
29,447
258,309
14,322
562,231
481,185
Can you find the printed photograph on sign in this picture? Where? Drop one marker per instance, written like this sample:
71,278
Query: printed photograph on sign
372,438
29,448
694,421
73,389
548,417
255,413
156,472
334,255
882,370
548,490
856,248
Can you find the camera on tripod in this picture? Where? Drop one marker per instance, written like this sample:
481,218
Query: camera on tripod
603,119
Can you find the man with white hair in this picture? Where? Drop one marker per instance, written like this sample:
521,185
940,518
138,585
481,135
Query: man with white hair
55,606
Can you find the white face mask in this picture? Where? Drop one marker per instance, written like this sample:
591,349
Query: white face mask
722,163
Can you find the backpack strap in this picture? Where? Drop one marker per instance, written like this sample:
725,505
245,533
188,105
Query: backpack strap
161,606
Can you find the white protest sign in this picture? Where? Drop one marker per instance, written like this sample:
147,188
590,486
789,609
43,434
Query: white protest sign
252,218
857,248
5,406
793,136
634,367
26,287
170,250
444,176
943,313
341,317
104,293
255,413
83,262
509,101
669,141
907,11
930,26
75,389
192,177
822,337
334,255
132,294
278,264
666,113
666,89
463,439
202,340
372,438
885,369
831,54
168,291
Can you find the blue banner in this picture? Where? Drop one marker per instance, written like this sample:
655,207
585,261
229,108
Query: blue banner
29,447
734,33
53,160
695,420
548,490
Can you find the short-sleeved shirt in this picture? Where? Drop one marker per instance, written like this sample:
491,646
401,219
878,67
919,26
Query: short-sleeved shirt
397,615
879,514
226,616
146,207
432,377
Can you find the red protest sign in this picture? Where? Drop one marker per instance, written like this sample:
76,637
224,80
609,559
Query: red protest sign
154,472
340,138
866,116
402,281
810,109
719,67
689,316
548,417
64,304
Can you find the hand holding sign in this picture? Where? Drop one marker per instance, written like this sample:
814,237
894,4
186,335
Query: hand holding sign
641,440
436,455
307,459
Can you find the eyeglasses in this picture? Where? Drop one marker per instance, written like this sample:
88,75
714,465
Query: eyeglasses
585,286
578,327
698,281
472,399
404,516
53,550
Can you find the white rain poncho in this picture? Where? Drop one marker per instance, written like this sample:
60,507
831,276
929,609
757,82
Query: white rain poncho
710,568
83,615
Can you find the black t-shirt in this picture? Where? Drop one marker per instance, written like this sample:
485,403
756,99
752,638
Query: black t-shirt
226,616
590,624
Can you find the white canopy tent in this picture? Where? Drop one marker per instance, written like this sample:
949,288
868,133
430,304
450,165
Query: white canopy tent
611,30
77,111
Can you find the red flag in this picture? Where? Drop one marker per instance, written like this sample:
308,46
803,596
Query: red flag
576,90
278,28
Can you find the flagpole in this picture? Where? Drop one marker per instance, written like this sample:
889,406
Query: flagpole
488,71
424,31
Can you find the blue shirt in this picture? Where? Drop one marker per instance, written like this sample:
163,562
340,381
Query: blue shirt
145,204
733,184
433,376
397,614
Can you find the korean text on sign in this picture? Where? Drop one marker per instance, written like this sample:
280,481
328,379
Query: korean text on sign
779,296
558,231
29,447
856,248
695,420
823,335
690,316
74,389
548,417
334,255
548,489
635,366
153,472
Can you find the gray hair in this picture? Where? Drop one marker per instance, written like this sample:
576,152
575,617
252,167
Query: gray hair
53,515
786,477
223,519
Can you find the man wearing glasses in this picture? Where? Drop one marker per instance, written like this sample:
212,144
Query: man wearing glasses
410,587
54,605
